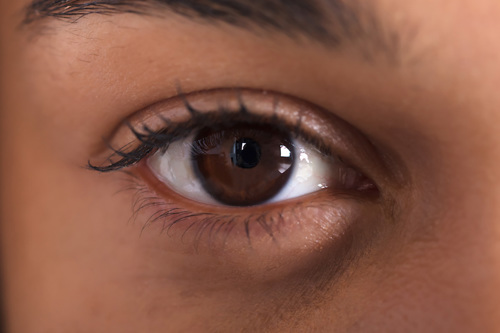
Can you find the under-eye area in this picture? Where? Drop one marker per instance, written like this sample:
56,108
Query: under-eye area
240,167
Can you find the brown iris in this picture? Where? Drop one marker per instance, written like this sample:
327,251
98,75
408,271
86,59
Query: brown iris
243,165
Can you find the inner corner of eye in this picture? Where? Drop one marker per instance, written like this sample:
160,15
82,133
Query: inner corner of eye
247,165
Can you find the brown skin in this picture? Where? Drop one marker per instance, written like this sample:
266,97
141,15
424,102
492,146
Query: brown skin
424,259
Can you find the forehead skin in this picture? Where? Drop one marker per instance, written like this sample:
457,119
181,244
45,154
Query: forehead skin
436,109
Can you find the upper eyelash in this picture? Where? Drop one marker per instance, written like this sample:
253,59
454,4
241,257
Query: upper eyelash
151,141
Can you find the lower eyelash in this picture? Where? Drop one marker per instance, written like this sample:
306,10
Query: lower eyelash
218,231
207,224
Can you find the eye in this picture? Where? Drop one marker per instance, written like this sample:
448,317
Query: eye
225,170
246,165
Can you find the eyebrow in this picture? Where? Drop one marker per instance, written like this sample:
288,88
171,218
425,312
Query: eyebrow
331,22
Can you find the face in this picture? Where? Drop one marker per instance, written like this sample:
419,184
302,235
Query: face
316,169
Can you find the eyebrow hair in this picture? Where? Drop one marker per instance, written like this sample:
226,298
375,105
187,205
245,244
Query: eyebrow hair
328,21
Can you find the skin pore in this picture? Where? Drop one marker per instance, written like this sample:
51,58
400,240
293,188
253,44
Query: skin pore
405,93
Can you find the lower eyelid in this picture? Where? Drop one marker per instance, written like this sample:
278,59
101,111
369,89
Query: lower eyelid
325,198
257,237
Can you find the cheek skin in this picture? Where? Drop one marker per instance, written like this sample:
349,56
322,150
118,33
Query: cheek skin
123,275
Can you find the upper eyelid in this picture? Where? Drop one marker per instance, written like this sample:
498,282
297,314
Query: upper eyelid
151,140
340,138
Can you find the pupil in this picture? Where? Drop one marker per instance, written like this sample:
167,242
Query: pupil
245,153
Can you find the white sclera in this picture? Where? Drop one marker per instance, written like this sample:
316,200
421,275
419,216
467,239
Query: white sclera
312,171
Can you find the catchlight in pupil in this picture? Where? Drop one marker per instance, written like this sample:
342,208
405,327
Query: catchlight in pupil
243,165
245,153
